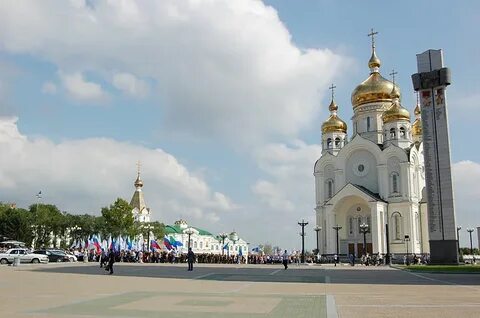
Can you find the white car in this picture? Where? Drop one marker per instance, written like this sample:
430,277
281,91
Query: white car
24,255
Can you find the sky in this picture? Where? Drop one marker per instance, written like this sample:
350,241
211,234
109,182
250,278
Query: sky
220,101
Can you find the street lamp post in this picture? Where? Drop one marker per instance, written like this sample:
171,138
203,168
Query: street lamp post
303,224
458,238
471,246
223,236
364,230
337,228
234,238
148,227
407,239
39,197
317,229
189,232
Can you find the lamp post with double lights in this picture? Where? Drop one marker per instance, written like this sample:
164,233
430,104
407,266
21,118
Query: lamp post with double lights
223,236
148,228
234,238
337,228
407,239
471,245
189,231
364,230
458,237
302,234
317,229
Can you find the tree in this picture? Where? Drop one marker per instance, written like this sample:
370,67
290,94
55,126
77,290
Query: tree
266,248
15,224
47,220
118,218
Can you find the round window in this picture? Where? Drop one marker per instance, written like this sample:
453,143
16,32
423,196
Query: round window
360,168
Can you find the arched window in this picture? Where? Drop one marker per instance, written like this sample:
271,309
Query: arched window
329,143
337,142
329,188
350,225
201,244
395,182
402,132
392,133
195,244
368,124
397,226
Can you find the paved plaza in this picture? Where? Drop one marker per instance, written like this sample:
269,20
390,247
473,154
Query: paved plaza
164,290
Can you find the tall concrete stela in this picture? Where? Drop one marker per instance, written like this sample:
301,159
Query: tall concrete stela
431,82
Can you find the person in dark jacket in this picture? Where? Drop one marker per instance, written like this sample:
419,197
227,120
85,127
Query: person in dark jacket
190,259
111,260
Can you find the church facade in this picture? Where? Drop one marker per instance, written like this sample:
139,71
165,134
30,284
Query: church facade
374,182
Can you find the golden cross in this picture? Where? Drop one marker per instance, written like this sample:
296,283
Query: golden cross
372,34
332,88
138,167
393,75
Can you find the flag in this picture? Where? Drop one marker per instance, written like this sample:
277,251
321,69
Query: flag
167,243
225,247
240,251
129,244
96,243
154,245
256,249
174,242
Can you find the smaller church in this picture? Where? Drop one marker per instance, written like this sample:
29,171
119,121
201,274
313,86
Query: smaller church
369,188
140,211
201,241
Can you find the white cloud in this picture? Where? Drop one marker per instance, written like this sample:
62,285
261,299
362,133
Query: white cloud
82,90
130,85
81,176
49,88
222,67
467,191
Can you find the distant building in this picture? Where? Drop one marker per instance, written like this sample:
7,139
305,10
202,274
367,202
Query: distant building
202,241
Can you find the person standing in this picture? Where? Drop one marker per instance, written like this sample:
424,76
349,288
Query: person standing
190,259
285,259
111,260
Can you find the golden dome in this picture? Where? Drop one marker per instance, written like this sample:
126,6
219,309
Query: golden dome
334,123
333,106
396,112
374,89
417,110
374,60
417,124
138,183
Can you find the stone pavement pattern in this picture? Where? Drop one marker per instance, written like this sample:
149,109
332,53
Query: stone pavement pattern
142,290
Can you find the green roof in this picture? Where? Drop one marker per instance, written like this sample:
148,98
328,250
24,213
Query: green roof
175,229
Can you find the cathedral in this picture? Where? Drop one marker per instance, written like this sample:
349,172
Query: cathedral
371,187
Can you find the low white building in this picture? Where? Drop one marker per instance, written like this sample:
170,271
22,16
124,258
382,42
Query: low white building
202,241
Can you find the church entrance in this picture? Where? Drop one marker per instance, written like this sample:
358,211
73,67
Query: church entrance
358,251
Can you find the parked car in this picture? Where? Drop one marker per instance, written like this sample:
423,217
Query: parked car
71,257
24,255
54,256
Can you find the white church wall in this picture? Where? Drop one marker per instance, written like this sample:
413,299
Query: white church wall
361,169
